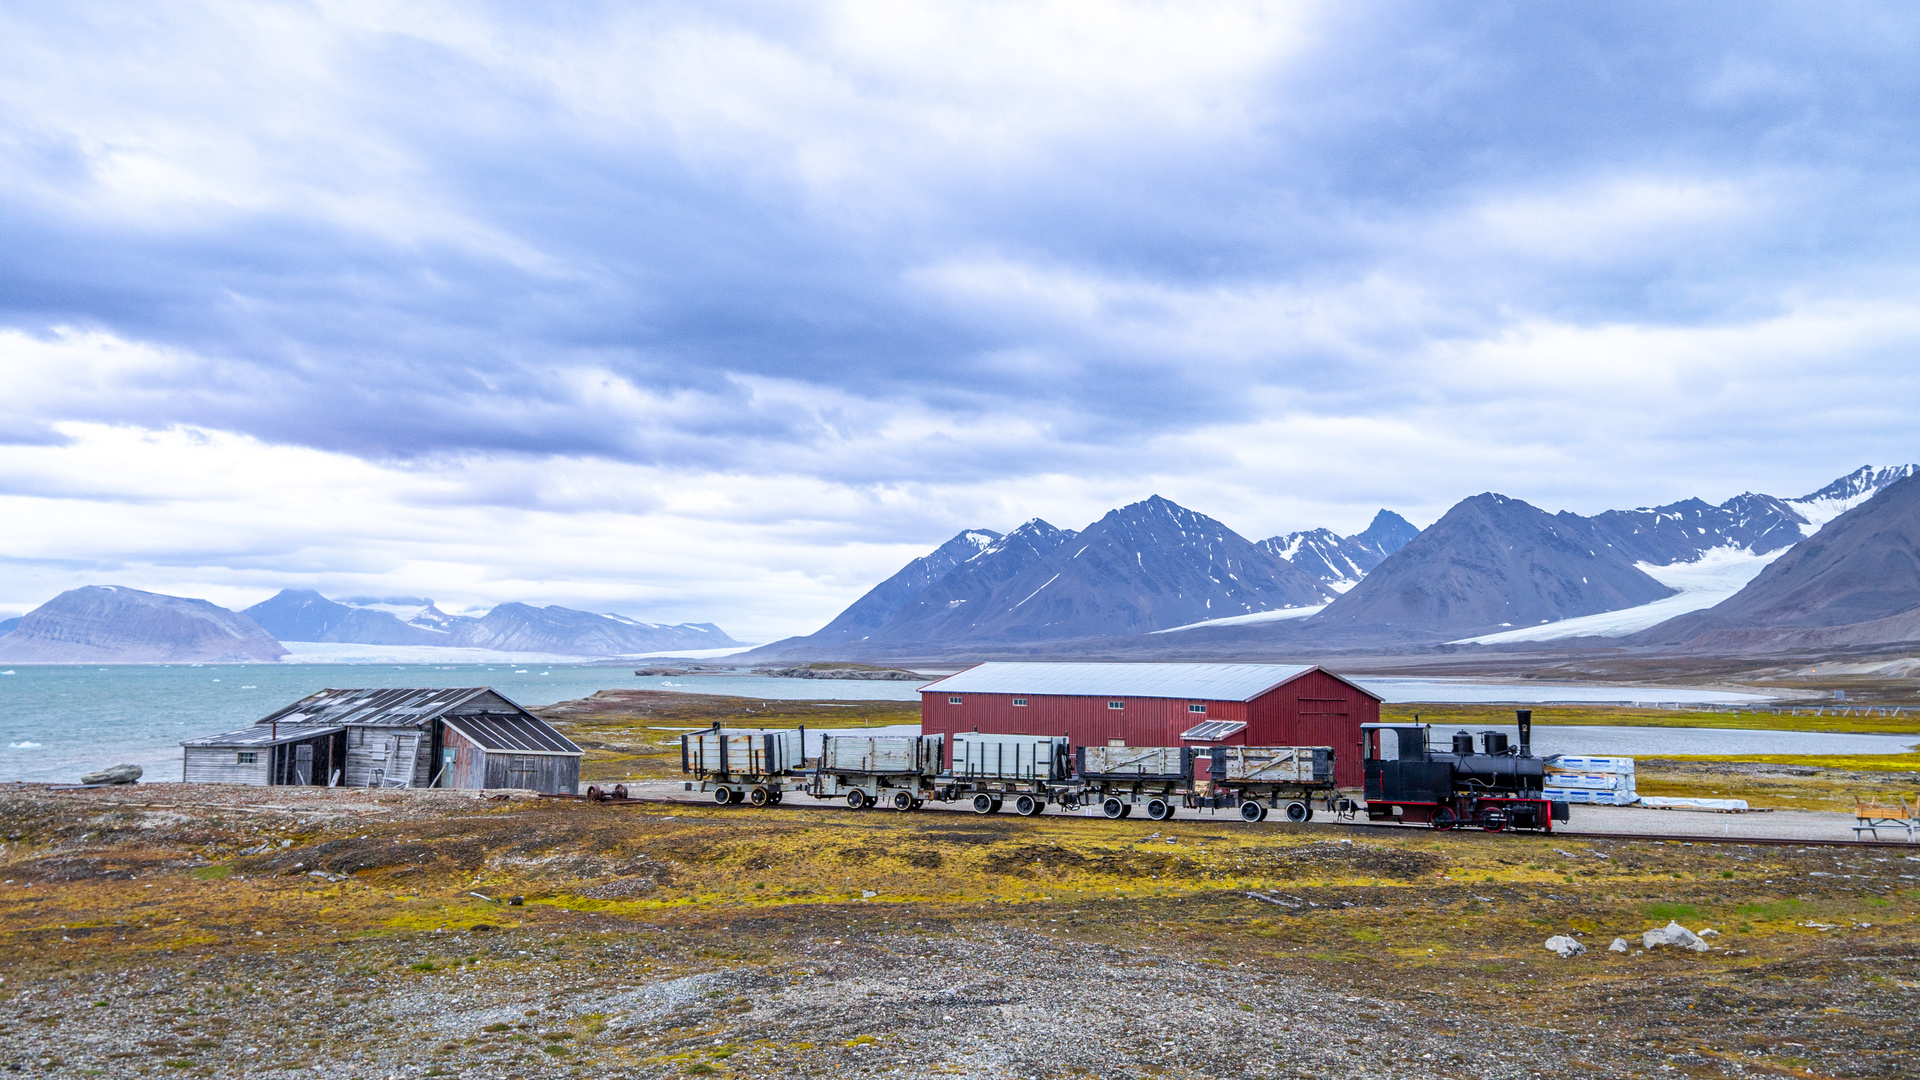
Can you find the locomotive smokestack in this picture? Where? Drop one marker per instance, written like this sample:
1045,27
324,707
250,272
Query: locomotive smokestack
1524,719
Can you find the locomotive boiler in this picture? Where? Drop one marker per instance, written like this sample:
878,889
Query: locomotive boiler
1494,787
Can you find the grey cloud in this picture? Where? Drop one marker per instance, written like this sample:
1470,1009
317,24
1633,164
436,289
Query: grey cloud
528,240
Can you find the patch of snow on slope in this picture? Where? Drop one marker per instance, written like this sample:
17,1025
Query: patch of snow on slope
1716,575
1256,617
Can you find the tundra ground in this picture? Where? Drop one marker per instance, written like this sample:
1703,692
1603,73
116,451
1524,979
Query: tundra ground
182,930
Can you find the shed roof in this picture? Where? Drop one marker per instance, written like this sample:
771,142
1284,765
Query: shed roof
266,735
388,705
1208,682
515,733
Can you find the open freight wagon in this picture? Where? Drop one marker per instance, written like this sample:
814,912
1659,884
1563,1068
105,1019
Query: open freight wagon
1161,779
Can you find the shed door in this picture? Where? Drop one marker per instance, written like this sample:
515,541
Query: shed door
303,763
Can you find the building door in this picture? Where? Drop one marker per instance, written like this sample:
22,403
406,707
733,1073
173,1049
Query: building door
446,767
303,763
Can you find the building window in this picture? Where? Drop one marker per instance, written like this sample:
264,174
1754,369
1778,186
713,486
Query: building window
1116,704
248,757
1197,708
953,701
1019,701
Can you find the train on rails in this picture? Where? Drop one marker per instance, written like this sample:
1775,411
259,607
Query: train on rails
1494,788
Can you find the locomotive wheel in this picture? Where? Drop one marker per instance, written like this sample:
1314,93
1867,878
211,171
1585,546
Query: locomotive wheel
1298,811
856,799
1027,806
1159,809
756,796
1251,811
903,800
983,804
1443,818
1114,808
722,796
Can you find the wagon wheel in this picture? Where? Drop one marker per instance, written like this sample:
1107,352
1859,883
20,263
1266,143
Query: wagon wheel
1444,819
722,796
1114,808
1027,806
856,799
757,796
903,800
619,791
1251,811
593,793
1298,811
983,804
1159,809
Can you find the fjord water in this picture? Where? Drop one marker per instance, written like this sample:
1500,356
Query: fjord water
58,721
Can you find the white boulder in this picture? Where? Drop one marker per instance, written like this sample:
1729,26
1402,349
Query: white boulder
1619,945
1673,934
1565,945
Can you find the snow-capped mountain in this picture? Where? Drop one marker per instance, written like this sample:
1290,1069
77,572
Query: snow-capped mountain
1849,491
1149,566
1490,563
1855,582
1341,561
887,599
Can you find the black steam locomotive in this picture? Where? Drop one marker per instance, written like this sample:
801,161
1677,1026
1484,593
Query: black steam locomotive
1500,787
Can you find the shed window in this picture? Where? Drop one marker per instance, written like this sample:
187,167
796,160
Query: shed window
248,757
1116,704
1197,708
953,701
1019,701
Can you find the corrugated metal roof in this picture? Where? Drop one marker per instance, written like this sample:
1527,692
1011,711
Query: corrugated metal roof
511,733
1200,682
267,736
399,705
1213,731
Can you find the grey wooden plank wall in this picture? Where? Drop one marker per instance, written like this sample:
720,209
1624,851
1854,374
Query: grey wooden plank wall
221,765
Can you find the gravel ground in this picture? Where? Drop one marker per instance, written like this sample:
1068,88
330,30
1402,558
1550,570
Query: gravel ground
1000,1002
216,931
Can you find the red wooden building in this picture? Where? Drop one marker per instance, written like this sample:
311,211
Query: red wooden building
1158,705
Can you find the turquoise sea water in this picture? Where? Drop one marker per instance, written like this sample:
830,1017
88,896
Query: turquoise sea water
58,721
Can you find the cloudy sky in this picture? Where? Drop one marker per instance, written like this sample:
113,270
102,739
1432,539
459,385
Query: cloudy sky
721,312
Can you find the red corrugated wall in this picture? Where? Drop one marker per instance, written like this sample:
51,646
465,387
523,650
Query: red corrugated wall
1315,709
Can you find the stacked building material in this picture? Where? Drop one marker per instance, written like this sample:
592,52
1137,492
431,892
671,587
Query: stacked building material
1606,781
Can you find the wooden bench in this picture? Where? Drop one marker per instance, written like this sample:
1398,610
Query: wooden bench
1872,815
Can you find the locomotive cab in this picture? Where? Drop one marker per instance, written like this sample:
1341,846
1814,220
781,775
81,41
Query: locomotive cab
1497,788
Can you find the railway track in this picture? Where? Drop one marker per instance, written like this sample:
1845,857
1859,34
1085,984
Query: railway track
1661,838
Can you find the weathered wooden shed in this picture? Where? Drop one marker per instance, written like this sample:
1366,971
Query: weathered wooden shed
1158,705
460,737
267,754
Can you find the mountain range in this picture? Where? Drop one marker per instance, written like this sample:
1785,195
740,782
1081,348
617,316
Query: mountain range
106,624
1491,568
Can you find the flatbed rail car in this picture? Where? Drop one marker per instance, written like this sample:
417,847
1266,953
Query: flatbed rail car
742,765
900,771
1499,787
990,769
